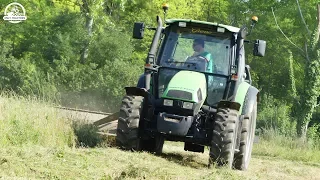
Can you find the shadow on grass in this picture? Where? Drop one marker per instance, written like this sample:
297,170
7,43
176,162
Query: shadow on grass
189,160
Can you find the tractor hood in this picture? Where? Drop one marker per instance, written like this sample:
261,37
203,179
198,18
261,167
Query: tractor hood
187,86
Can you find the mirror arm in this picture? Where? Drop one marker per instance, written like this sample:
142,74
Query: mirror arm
253,23
252,26
151,28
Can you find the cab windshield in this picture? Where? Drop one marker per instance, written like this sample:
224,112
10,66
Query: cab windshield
197,50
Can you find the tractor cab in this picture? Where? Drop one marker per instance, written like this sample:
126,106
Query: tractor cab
200,47
197,46
212,52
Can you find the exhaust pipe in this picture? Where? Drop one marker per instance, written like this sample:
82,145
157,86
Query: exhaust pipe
153,47
152,53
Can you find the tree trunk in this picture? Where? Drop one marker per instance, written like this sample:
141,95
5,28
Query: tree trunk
302,125
85,50
89,24
312,83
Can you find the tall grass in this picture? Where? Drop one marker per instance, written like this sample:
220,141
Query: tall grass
27,121
278,137
274,144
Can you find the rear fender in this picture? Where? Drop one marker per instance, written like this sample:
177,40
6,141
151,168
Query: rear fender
229,104
251,98
136,91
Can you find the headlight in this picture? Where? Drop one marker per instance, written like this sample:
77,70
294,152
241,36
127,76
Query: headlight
168,102
187,105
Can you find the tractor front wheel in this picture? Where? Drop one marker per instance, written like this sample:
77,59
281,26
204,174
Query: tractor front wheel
128,123
128,128
242,159
224,137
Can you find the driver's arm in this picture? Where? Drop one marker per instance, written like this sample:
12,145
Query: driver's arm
209,59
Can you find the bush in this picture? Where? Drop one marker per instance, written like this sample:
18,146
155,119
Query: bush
278,125
275,114
45,61
101,89
313,135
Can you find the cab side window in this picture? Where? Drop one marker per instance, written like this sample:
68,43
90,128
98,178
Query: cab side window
247,74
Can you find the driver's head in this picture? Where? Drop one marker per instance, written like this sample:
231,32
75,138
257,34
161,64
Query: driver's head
198,45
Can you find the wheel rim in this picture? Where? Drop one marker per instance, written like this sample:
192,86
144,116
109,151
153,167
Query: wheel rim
248,141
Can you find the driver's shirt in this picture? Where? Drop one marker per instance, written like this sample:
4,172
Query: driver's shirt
209,61
209,69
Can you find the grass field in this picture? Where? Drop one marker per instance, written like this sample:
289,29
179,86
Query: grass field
35,143
110,163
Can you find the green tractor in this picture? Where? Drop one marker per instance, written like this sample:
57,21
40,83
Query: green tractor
196,89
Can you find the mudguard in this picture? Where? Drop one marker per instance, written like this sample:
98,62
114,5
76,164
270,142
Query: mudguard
136,91
251,97
145,114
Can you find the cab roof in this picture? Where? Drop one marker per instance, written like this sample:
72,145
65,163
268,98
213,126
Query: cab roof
229,28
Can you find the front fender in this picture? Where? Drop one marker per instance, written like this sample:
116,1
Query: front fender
252,96
136,91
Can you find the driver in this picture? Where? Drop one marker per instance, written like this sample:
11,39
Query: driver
198,47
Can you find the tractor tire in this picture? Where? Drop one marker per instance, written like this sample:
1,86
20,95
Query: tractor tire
242,158
159,145
128,128
153,145
224,137
128,123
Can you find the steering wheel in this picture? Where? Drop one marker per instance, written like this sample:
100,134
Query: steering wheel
199,62
173,63
196,58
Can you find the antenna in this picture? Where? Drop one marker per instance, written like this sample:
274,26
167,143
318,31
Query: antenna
253,23
165,8
220,16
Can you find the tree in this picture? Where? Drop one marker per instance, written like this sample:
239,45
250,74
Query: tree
312,80
311,88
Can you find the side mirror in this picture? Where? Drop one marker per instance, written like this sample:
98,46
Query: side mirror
138,30
259,48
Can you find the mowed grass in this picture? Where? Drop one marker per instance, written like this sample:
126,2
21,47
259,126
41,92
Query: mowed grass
104,163
36,143
111,163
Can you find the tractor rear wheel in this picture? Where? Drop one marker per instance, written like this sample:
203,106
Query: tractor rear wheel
128,123
224,137
242,158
